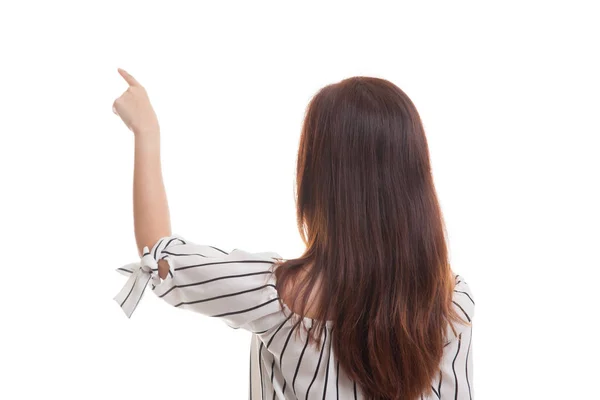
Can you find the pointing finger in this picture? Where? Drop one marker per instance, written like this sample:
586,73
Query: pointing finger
128,78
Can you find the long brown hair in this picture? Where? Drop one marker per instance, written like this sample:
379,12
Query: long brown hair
368,213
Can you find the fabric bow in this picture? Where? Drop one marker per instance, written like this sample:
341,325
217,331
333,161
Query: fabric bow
140,274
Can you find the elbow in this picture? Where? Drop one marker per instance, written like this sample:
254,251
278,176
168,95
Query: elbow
163,269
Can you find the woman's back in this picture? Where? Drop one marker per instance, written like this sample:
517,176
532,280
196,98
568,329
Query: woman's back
284,366
368,213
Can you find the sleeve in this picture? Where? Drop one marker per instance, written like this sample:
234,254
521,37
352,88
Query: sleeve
455,379
237,287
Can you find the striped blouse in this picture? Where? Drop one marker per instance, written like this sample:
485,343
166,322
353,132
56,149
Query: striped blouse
239,288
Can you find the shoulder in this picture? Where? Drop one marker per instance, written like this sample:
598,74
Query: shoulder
463,301
463,296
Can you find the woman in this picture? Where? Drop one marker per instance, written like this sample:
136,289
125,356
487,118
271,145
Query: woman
372,309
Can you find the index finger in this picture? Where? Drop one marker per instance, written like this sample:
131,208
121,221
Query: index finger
128,78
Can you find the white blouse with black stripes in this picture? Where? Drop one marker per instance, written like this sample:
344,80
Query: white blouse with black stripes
239,288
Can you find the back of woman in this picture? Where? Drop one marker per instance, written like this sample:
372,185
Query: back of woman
372,308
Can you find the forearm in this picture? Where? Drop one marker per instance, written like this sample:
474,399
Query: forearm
150,207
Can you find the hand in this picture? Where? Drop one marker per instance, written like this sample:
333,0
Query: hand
135,109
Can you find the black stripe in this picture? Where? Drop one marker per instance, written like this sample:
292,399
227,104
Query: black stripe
224,262
168,243
285,346
246,310
262,394
272,374
130,290
156,248
300,359
213,280
281,356
146,254
142,294
269,343
183,254
260,332
224,295
125,269
467,294
219,250
337,380
354,390
440,386
280,326
453,371
327,368
318,365
464,312
467,363
434,391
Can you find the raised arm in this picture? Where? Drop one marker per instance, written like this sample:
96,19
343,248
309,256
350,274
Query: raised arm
150,206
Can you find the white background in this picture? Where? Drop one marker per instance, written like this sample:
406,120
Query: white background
509,95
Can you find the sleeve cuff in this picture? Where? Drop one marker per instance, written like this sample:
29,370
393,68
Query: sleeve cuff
140,275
